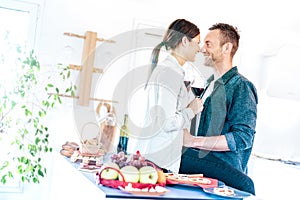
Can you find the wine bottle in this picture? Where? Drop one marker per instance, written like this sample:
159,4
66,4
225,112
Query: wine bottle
124,136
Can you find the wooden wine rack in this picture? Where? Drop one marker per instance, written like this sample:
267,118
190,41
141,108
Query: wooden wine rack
87,67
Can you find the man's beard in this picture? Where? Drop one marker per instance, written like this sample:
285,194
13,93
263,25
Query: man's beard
208,61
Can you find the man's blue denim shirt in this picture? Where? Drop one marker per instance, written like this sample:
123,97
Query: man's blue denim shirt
231,110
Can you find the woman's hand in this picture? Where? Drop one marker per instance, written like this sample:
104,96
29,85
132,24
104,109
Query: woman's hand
196,105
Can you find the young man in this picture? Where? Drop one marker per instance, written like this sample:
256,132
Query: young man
227,124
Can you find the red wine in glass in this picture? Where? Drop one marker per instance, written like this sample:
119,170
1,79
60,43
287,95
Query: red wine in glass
197,91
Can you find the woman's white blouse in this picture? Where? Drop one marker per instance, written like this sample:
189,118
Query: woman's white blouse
167,114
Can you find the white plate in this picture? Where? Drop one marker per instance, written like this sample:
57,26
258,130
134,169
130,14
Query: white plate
238,194
143,193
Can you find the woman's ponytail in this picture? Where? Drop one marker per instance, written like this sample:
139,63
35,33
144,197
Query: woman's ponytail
155,55
154,58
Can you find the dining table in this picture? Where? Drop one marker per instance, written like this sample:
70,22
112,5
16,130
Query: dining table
174,191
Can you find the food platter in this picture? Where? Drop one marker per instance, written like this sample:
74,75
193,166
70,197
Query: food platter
120,183
192,180
227,192
157,191
88,161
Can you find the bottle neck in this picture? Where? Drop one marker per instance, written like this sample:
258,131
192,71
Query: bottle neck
124,128
125,119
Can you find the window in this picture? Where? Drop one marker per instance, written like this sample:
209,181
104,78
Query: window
18,21
17,31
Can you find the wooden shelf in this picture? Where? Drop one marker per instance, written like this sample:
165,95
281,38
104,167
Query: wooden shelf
87,67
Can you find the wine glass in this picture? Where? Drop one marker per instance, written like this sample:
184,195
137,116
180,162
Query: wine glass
194,80
198,86
197,91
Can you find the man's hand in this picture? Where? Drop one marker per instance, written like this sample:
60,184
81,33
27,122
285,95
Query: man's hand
188,139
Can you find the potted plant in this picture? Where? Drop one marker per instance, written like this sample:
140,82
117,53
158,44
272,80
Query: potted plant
24,105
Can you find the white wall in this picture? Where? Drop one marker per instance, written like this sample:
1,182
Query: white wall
265,27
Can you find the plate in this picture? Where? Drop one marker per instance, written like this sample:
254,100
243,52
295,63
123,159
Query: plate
192,180
143,193
89,168
238,194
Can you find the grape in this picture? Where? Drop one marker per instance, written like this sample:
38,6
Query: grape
136,160
136,163
142,158
114,156
122,164
121,154
135,157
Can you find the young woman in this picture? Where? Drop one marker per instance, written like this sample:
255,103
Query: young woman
171,103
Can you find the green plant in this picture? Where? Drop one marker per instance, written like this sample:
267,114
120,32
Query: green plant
24,135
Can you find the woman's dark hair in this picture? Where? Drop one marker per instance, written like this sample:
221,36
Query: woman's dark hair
173,37
228,34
